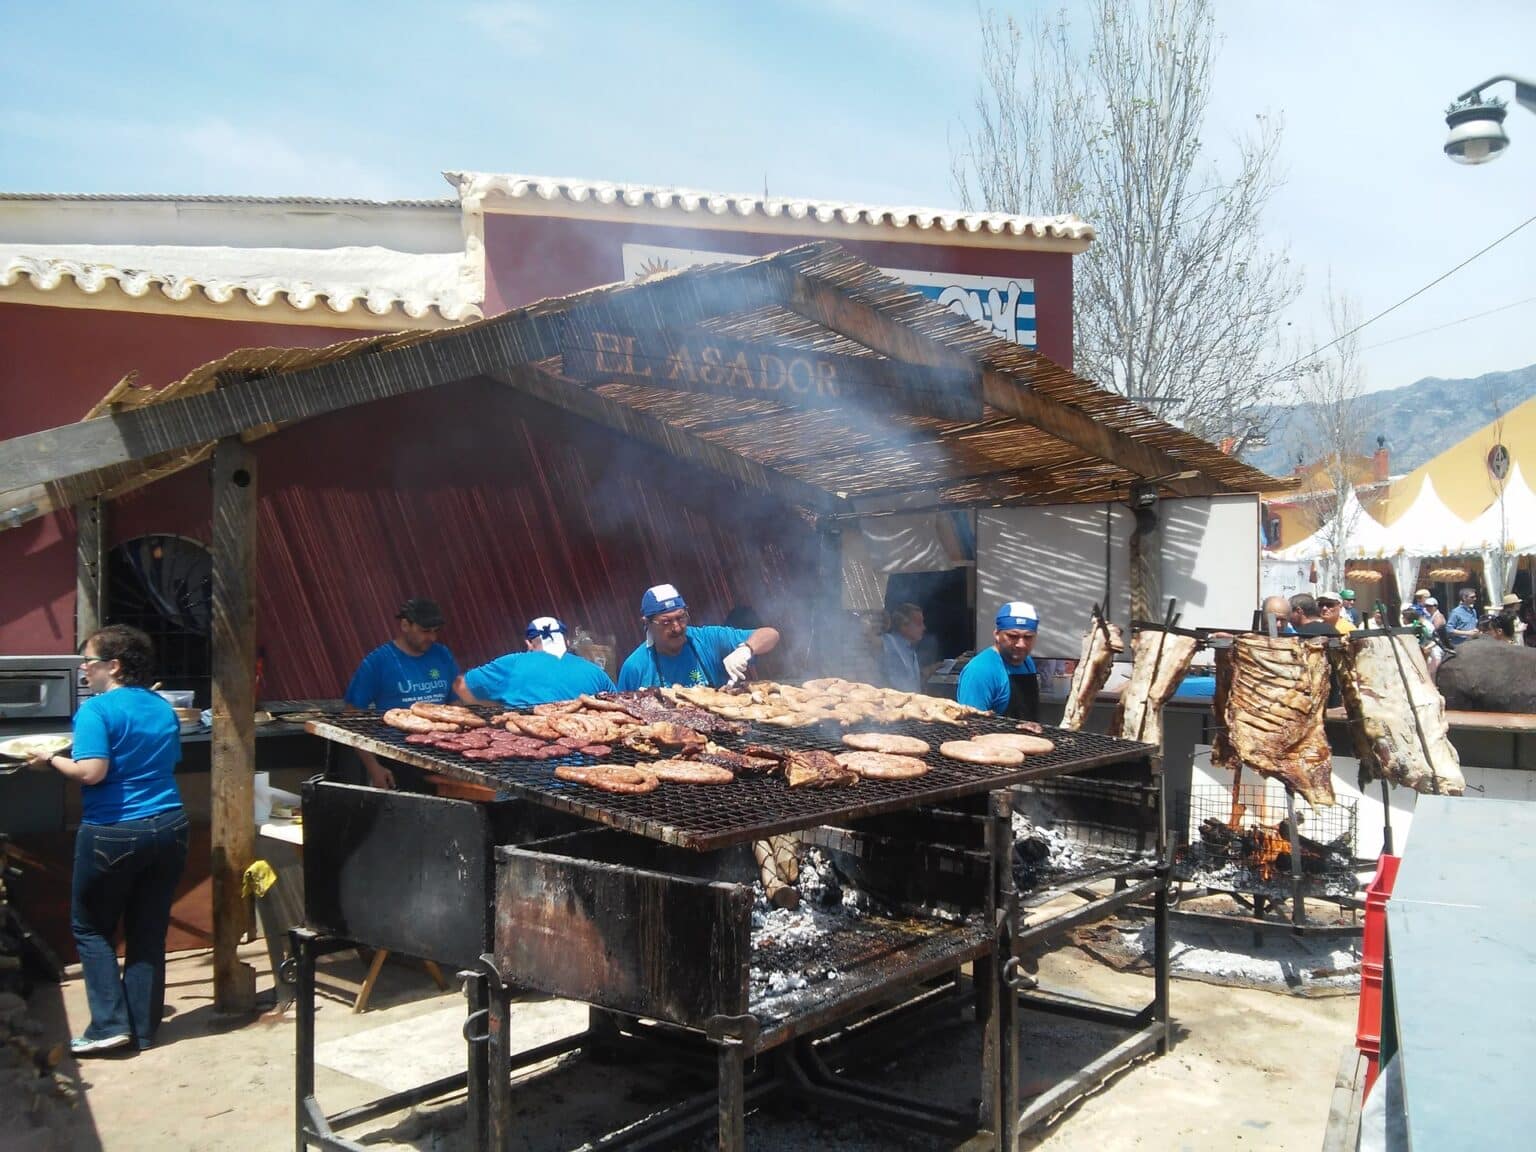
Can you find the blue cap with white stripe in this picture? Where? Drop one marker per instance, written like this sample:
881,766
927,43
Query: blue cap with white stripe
1018,616
661,598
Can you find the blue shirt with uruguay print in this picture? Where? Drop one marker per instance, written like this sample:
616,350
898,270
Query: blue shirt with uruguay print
136,732
523,679
984,680
389,678
700,663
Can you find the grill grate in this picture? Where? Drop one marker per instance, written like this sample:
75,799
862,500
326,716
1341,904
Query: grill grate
753,807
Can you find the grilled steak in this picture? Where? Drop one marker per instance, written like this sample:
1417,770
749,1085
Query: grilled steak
816,769
1100,646
1274,712
1383,692
1160,660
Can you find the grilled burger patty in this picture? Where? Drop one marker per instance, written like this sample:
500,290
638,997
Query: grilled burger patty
887,742
971,752
882,766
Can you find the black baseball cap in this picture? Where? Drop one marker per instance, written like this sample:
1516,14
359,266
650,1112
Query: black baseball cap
421,612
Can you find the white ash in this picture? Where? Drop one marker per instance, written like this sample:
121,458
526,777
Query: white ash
1064,853
1227,956
818,879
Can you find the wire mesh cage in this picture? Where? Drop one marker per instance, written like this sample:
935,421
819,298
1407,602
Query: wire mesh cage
1075,826
1245,844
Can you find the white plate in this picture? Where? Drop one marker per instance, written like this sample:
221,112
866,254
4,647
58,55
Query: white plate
42,744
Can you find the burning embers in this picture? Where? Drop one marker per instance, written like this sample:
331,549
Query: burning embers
1247,848
791,947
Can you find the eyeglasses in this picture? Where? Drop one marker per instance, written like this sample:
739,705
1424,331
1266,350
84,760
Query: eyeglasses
670,621
92,660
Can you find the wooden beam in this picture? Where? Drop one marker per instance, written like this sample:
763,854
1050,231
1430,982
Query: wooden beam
90,568
584,402
1147,565
233,638
824,305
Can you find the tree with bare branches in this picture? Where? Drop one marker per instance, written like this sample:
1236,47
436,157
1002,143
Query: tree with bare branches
1179,299
1332,429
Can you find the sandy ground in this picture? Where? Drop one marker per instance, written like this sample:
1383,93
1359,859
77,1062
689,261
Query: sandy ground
1250,1070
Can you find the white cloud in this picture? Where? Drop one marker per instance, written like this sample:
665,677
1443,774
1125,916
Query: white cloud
511,24
212,154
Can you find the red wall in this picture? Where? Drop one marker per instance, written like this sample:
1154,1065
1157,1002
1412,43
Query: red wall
499,507
55,363
529,258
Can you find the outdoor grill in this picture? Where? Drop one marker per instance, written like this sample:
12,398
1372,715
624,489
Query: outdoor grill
754,807
645,909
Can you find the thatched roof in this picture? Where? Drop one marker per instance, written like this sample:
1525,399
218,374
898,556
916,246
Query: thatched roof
930,408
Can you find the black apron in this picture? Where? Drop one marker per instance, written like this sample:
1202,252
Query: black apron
1023,696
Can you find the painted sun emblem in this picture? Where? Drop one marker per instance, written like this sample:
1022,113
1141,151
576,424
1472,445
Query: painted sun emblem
654,266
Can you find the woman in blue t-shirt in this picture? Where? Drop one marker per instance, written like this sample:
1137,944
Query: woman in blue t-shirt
131,849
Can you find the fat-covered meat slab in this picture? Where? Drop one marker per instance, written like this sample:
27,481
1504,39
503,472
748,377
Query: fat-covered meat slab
1383,691
1159,661
1100,646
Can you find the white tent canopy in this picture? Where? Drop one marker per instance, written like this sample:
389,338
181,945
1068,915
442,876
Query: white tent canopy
1428,529
1364,533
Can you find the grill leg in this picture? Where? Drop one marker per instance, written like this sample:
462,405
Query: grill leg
498,1069
304,1034
477,1106
733,1105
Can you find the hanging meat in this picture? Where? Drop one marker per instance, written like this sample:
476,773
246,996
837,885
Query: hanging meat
1222,753
1159,661
1100,647
1274,712
1386,685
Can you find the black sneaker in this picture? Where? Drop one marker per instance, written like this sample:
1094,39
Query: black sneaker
80,1046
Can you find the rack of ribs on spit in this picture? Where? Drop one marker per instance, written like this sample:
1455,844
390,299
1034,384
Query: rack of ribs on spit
1100,647
1383,692
1159,660
1274,712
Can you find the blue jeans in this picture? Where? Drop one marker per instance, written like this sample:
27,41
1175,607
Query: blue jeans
126,873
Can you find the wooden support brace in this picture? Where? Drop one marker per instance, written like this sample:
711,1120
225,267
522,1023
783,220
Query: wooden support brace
90,568
234,709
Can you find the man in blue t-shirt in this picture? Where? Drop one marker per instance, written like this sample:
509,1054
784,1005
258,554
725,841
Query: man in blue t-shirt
1002,678
1461,624
674,653
410,668
546,672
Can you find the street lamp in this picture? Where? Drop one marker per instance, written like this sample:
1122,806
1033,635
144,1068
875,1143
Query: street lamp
1477,122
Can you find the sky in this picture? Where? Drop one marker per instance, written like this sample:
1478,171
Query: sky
831,99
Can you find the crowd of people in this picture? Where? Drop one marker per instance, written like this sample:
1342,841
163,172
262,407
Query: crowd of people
1335,613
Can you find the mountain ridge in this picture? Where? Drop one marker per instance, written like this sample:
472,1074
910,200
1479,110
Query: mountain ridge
1418,420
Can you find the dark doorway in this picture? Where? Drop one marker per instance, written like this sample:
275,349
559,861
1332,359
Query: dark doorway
164,586
945,601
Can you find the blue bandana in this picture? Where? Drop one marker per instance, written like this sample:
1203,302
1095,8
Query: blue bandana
662,598
1018,616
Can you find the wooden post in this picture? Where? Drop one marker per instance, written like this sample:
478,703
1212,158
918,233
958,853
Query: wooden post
234,707
90,567
1146,564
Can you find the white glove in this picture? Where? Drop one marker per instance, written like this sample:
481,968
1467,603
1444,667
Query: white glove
736,663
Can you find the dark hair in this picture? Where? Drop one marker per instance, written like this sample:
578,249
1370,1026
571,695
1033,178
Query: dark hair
420,611
132,650
1304,604
1504,626
745,617
903,614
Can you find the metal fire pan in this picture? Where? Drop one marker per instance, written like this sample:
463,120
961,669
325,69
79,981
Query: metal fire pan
753,807
408,872
634,926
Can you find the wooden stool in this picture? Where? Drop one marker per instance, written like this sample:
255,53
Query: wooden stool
377,965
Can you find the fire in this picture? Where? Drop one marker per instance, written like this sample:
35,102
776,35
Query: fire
1265,847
